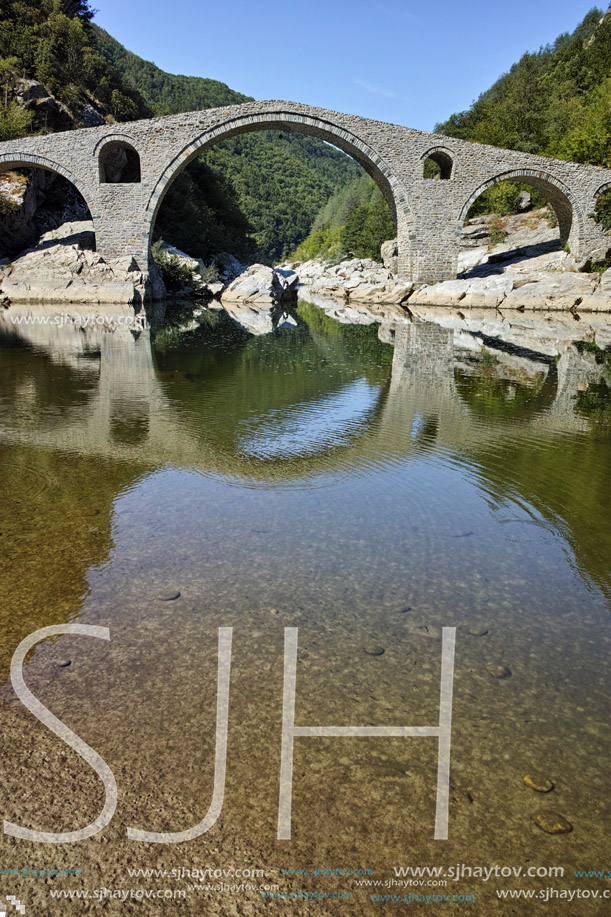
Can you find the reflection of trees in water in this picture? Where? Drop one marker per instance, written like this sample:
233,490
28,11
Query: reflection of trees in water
221,375
595,402
492,392
55,524
565,478
56,507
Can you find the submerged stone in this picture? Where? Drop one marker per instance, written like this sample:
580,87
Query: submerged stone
552,822
373,650
498,671
478,631
539,783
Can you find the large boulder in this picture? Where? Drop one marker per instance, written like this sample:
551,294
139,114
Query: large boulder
49,113
262,299
390,255
260,285
63,268
523,201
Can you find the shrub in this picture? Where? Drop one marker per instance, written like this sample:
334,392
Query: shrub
176,275
211,273
497,230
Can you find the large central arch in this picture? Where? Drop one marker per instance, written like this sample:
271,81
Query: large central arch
346,141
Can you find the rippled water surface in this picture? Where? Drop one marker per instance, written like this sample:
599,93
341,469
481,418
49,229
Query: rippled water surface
368,484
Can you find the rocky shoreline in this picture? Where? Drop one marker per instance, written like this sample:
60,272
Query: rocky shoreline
527,270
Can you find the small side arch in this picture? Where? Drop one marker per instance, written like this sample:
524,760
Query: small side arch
9,161
571,221
602,190
442,158
602,216
118,160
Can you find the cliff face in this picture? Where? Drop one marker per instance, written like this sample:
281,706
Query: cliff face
34,202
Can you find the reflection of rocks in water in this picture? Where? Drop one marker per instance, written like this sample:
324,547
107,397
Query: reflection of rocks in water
263,319
262,299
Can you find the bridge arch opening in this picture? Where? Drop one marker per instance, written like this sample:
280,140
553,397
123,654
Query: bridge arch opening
602,208
37,196
438,163
119,163
518,203
289,123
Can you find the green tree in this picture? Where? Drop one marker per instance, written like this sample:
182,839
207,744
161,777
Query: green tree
14,121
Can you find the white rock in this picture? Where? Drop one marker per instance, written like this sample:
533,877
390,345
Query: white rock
553,292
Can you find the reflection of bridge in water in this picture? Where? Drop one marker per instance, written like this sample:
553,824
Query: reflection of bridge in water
108,396
131,415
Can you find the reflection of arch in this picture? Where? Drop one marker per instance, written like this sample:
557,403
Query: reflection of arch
10,161
561,198
118,160
367,157
443,158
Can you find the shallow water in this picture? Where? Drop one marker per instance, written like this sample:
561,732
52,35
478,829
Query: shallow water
365,493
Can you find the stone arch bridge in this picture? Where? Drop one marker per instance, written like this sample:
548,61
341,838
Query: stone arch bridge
124,170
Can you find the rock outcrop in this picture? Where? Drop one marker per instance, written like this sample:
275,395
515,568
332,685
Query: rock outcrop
33,203
359,279
63,268
260,285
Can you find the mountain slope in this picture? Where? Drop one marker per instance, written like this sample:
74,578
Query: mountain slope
278,181
165,93
554,101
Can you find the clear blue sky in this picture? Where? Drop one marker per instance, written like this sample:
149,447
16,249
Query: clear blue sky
395,60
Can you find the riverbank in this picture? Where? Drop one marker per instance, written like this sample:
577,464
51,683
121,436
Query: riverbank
515,262
519,266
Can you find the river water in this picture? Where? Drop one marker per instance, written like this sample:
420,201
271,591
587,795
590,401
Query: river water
367,483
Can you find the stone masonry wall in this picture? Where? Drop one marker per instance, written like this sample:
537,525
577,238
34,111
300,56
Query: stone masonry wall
429,213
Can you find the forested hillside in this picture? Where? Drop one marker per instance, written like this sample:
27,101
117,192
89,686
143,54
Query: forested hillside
356,220
164,93
53,41
555,102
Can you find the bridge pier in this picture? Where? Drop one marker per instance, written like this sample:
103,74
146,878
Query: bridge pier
121,228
